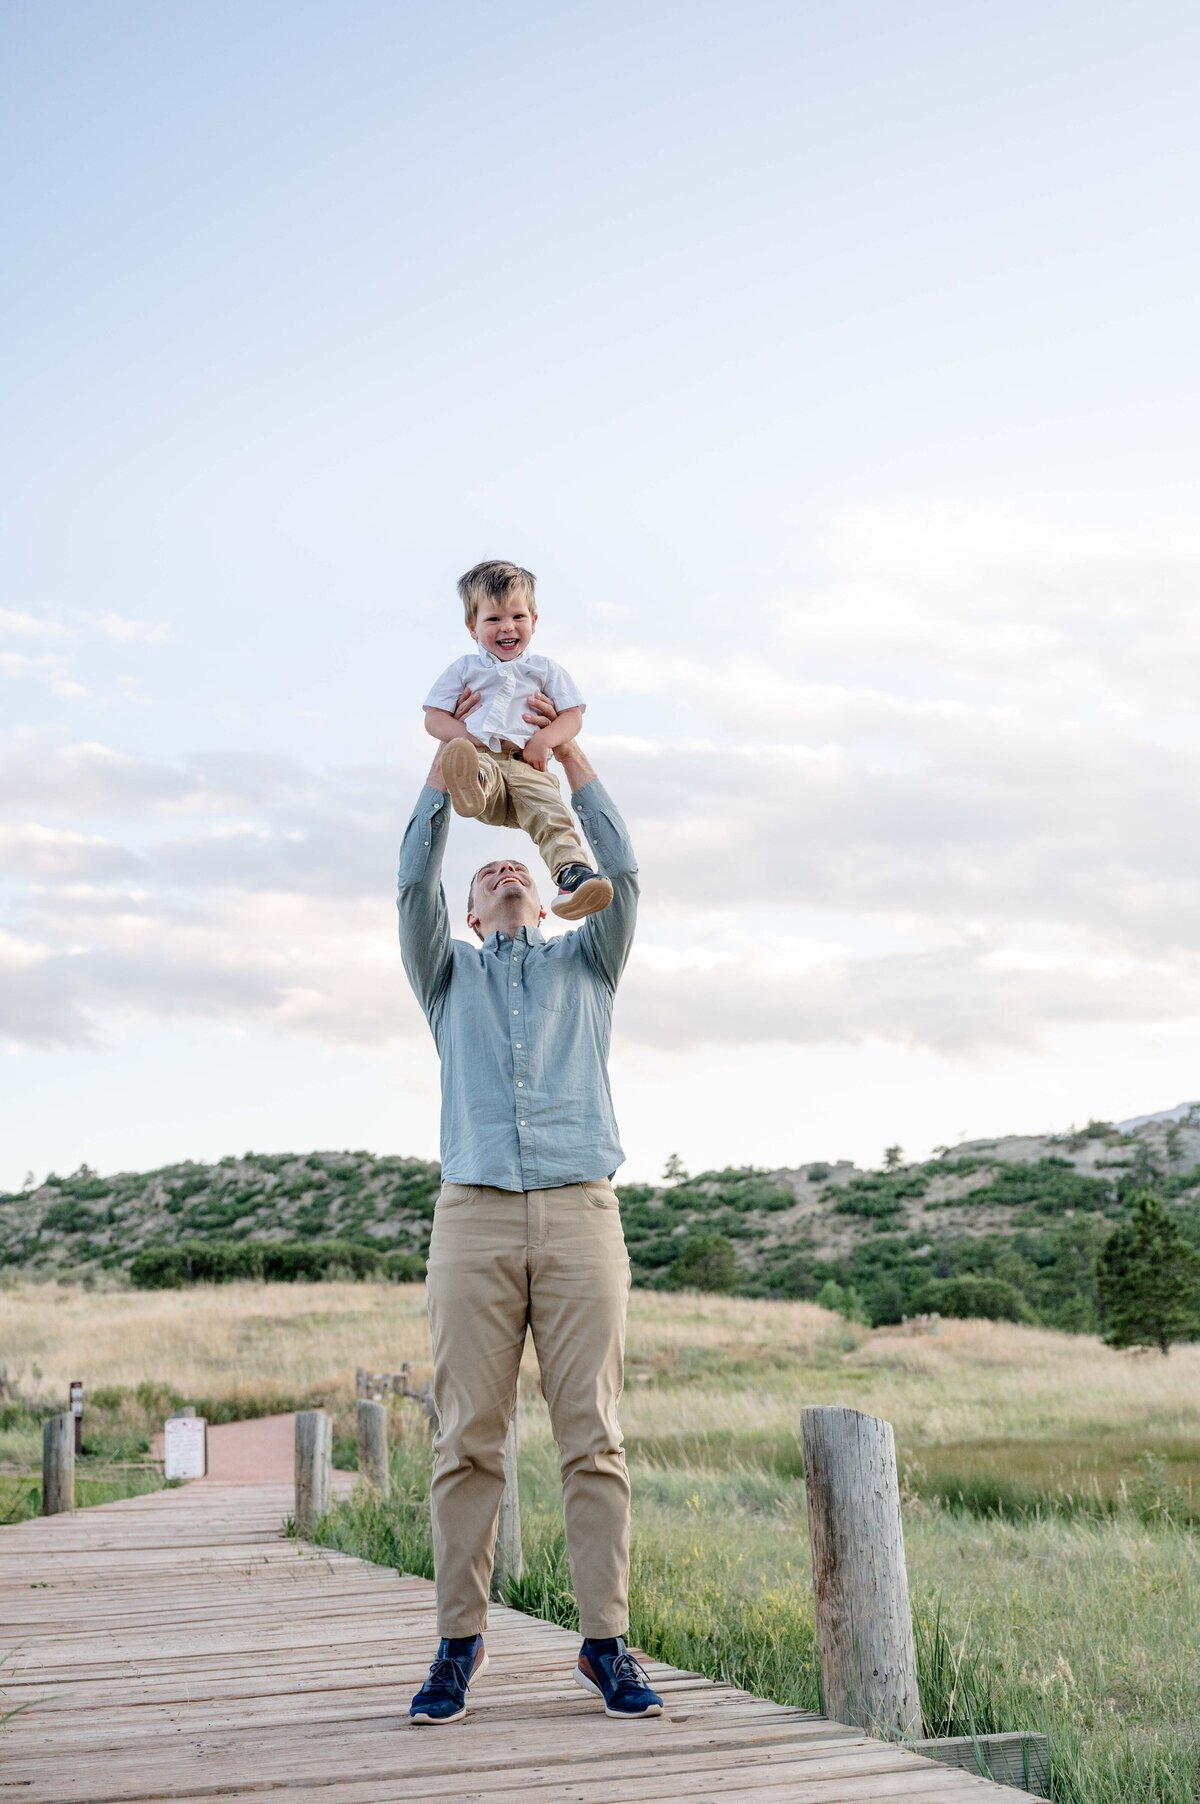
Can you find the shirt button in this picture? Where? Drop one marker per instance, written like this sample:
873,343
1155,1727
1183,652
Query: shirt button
520,1124
520,1083
517,1044
516,1011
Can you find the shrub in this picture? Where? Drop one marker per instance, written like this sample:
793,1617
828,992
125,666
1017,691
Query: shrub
286,1262
70,1217
988,1299
704,1262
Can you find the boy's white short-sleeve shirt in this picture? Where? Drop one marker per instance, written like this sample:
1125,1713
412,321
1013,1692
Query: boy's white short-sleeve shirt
505,687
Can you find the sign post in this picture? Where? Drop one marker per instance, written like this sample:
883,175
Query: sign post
184,1447
77,1411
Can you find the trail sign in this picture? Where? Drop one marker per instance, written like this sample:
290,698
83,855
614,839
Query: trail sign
184,1447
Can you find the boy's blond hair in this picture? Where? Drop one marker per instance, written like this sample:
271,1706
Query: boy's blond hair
494,581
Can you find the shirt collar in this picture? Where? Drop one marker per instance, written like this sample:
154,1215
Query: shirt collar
532,936
489,657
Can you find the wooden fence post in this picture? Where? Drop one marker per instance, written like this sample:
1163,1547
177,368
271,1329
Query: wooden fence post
509,1562
314,1467
864,1625
58,1465
373,1445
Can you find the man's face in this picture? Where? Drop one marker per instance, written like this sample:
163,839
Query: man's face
504,627
503,895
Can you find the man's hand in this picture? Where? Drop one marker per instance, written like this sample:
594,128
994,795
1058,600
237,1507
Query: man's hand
542,712
536,751
445,725
435,778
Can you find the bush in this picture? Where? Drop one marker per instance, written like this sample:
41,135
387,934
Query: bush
287,1262
877,1194
843,1299
70,1217
704,1262
987,1299
1047,1186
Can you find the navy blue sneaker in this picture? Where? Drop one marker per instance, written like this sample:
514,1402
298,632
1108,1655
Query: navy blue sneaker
581,891
443,1696
609,1671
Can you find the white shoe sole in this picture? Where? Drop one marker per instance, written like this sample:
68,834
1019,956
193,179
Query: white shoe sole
622,1716
460,771
437,1721
593,894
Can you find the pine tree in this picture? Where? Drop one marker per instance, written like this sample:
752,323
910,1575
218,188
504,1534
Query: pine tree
1146,1276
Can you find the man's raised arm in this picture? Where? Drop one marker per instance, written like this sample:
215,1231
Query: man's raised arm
607,936
424,923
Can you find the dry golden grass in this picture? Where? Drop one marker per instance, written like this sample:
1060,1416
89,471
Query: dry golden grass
697,1365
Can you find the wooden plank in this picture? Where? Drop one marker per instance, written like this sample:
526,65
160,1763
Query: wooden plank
174,1647
1018,1758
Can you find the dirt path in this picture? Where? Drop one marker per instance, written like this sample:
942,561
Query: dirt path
261,1451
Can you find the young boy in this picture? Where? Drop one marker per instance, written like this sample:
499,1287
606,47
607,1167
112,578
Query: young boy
495,762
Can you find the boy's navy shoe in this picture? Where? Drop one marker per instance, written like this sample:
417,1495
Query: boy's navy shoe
443,1696
581,891
609,1671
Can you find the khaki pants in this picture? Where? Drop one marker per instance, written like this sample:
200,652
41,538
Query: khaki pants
516,795
553,1261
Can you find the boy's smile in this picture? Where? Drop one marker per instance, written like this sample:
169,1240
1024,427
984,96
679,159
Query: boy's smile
504,628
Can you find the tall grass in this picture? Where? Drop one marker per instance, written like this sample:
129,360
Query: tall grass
1050,1489
720,1584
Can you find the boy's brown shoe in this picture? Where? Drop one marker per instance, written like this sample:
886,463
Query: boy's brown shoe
581,891
460,768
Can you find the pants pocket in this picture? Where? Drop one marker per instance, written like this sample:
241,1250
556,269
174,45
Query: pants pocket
601,1195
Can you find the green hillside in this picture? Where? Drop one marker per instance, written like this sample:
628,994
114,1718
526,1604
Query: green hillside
1007,1228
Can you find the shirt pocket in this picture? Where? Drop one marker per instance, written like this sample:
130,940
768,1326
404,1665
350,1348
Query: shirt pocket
557,989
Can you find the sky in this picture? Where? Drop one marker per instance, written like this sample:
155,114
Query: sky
834,368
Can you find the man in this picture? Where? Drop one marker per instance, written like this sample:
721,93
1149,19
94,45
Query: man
527,1229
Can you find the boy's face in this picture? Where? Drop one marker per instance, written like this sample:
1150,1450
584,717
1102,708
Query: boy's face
504,627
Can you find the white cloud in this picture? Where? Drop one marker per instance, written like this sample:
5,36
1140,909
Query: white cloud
940,808
33,851
18,623
129,631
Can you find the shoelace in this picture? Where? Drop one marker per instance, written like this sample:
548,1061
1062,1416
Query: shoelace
628,1671
446,1675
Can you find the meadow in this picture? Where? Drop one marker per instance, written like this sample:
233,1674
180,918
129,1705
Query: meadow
1051,1487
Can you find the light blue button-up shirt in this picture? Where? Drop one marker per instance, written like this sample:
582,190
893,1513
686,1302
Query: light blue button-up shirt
522,1025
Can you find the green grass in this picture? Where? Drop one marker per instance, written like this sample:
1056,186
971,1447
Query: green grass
21,1493
1014,1620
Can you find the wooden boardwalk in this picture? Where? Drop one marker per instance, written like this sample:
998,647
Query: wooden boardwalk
177,1647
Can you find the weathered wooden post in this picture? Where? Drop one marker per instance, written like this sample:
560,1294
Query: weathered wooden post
864,1624
373,1445
58,1464
314,1467
509,1562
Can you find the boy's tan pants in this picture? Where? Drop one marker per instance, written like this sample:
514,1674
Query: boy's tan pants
516,795
553,1261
